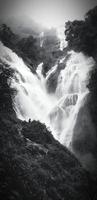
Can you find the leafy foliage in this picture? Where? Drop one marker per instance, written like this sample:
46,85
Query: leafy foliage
6,92
35,166
82,35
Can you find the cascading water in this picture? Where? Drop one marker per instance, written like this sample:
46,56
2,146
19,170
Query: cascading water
71,92
31,100
59,109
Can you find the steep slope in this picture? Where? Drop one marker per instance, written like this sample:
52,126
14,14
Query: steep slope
33,165
84,141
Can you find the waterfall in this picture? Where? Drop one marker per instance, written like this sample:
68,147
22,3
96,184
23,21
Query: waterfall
71,92
57,109
31,100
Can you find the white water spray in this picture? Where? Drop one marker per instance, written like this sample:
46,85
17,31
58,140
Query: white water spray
58,110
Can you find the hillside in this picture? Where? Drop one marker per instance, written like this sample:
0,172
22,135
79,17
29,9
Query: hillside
30,49
23,26
33,165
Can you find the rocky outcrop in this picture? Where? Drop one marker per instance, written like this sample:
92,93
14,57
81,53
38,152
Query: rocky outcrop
84,141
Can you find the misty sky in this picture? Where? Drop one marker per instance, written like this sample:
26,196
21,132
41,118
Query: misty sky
47,12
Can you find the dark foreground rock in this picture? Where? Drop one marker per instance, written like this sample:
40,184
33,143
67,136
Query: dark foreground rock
35,166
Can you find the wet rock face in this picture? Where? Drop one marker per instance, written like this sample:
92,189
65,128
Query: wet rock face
84,142
33,165
52,81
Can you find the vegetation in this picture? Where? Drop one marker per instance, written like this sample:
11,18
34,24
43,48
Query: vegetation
6,92
30,50
82,36
33,165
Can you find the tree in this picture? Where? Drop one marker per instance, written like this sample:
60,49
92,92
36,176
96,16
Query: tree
82,35
6,92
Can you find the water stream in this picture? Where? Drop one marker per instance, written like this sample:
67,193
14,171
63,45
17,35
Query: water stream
57,109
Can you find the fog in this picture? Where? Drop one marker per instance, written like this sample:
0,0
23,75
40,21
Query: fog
47,12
